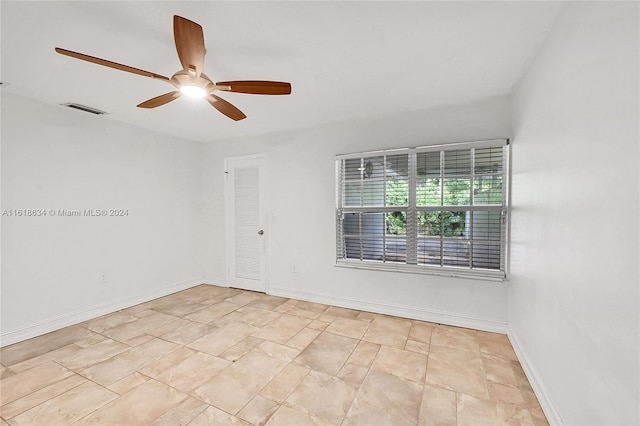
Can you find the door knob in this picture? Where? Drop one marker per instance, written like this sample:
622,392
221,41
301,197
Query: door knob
261,232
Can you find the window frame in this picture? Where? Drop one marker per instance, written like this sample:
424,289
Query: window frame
412,209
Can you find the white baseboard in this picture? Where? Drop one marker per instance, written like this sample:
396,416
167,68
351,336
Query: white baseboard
550,410
411,312
214,281
61,321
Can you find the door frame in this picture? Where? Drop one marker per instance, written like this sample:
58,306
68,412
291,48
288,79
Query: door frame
263,219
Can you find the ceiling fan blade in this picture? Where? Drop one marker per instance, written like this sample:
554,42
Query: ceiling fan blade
160,100
110,64
225,107
189,44
258,87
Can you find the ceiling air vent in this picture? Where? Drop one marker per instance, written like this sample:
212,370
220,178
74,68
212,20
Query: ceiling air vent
84,108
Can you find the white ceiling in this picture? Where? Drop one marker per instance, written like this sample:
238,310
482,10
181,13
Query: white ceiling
343,59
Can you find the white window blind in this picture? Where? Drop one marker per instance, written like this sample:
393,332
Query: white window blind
440,209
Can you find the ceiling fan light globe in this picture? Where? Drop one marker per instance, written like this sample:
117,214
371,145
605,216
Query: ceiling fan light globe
193,91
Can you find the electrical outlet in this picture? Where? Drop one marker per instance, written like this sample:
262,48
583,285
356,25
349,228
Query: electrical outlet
103,278
294,268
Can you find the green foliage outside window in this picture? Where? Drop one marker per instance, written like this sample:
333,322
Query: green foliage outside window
397,195
456,193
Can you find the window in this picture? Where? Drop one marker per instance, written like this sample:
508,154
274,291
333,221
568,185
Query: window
439,209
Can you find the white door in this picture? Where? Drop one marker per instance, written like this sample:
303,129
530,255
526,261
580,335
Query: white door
245,222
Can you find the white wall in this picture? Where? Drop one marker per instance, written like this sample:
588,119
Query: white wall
57,158
574,251
301,194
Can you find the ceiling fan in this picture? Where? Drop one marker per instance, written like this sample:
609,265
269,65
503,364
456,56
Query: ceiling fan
190,80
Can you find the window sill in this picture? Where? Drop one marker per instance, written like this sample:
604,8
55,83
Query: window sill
483,275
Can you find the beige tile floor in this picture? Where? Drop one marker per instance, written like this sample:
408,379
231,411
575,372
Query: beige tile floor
219,356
